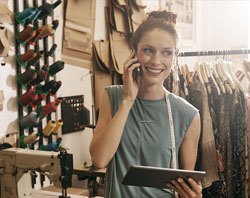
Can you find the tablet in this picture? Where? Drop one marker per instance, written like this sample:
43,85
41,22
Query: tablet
157,177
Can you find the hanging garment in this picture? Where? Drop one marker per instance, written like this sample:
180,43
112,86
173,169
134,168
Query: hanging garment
198,97
248,143
238,139
216,190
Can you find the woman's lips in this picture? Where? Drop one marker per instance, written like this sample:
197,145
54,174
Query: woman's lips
154,70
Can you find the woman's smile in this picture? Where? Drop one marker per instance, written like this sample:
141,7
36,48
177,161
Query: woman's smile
153,70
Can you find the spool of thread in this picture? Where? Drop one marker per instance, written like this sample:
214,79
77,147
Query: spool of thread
41,76
52,50
52,146
38,89
27,76
30,120
51,107
28,15
24,58
49,128
47,9
26,35
56,67
27,140
28,97
59,124
36,58
35,103
55,24
53,90
47,86
44,31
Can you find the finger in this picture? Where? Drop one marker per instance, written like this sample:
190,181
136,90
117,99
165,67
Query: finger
130,56
132,68
178,188
128,71
184,184
170,185
186,188
130,63
195,186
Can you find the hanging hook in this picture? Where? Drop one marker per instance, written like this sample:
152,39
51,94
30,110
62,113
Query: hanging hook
90,72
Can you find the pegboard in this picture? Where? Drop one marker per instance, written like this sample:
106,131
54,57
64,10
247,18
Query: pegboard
75,116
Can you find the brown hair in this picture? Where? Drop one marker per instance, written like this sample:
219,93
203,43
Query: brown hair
163,20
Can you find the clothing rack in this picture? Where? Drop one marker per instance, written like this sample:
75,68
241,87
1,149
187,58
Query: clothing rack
215,53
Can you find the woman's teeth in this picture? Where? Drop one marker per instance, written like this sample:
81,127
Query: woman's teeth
153,70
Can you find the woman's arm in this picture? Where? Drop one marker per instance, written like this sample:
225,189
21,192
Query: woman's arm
188,155
189,146
108,132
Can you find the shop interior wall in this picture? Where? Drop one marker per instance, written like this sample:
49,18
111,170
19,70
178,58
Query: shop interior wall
218,26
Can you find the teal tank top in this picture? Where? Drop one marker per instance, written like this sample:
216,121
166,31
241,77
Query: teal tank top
145,141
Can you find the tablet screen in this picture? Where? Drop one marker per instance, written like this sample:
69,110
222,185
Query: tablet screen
157,177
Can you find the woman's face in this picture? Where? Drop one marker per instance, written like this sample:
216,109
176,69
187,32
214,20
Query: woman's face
155,53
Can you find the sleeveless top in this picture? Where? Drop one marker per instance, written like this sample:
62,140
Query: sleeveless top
145,141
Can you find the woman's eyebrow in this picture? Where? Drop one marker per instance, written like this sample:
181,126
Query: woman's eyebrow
169,48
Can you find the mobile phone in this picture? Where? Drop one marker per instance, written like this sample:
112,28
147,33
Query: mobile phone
136,73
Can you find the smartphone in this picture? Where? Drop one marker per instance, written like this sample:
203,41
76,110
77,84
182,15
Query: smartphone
136,73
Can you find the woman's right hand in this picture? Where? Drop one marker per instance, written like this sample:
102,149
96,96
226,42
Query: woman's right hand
129,83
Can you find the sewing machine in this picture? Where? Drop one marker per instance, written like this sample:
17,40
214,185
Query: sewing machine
14,162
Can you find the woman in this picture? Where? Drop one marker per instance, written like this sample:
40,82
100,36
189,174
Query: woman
133,126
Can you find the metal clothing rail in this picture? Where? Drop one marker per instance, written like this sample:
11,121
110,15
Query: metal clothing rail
215,53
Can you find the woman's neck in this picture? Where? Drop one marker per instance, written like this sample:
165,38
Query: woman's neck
151,93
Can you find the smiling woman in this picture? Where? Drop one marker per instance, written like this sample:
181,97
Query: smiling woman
141,123
155,57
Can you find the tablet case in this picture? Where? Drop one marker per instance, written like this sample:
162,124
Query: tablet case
157,177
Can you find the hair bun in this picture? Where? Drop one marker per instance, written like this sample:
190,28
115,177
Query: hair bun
167,16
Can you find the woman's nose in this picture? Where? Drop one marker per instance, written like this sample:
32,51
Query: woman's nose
156,58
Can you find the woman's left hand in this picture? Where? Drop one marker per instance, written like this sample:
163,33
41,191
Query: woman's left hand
186,190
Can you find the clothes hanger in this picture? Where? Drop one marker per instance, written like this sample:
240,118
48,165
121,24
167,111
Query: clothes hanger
246,67
211,78
205,77
203,72
234,82
216,75
199,73
197,68
224,80
188,74
224,67
234,78
240,76
183,73
223,77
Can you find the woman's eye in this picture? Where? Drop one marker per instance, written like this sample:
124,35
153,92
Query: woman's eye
148,50
167,53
